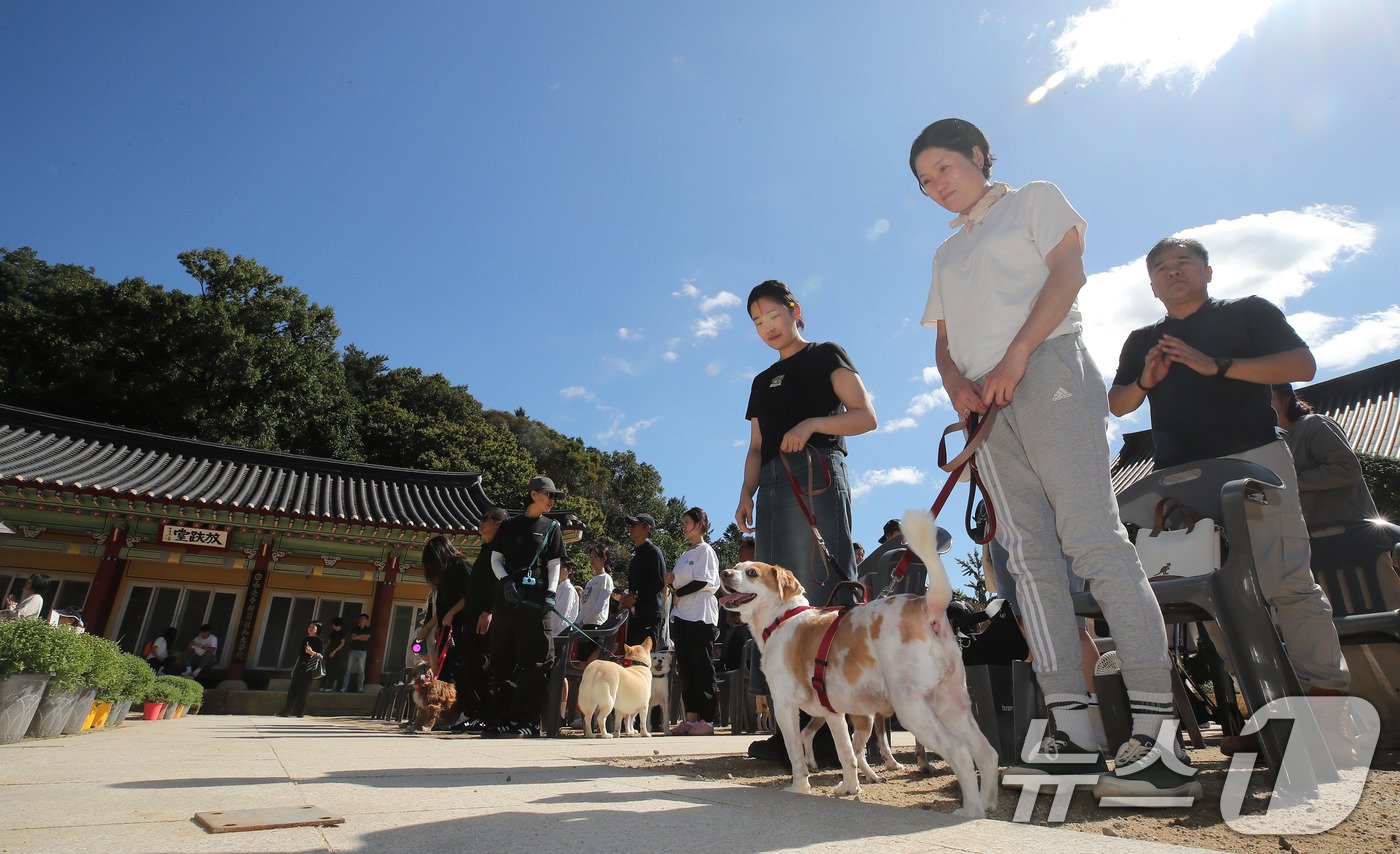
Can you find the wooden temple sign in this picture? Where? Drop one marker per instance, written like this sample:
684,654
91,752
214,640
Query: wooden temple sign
185,535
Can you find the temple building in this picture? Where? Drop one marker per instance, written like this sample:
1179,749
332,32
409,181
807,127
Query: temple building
141,532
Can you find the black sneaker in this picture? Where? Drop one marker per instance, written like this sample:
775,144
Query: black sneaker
512,731
1057,756
1142,769
466,726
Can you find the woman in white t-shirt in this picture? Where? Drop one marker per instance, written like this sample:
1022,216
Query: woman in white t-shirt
1003,298
694,621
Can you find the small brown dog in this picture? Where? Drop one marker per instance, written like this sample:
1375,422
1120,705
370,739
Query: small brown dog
431,696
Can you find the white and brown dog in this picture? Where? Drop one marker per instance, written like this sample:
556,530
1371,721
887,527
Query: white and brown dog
896,655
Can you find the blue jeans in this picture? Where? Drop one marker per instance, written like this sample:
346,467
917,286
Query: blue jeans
783,535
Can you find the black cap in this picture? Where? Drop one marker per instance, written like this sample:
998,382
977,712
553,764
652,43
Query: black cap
644,518
540,483
891,527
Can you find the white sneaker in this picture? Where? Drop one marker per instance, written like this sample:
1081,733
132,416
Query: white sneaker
188,672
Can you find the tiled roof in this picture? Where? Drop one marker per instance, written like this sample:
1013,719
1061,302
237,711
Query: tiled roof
70,455
1365,403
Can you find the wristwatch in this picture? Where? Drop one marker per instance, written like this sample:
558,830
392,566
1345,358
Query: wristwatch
1222,364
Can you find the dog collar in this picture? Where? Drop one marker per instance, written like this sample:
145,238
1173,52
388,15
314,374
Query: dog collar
773,627
631,662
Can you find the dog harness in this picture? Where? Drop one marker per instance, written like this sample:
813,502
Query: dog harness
823,649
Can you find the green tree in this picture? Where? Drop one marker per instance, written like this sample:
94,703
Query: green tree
975,592
1383,478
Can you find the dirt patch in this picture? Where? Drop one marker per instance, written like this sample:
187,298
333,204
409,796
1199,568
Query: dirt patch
1374,825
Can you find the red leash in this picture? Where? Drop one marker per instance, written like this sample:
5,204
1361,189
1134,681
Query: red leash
831,563
977,428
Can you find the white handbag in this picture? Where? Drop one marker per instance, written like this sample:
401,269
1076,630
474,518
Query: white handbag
1178,552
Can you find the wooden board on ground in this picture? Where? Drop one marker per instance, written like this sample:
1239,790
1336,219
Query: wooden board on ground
232,821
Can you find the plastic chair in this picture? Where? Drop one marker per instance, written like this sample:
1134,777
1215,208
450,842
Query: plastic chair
565,667
1220,489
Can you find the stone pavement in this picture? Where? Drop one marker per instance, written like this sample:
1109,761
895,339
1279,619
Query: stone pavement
136,788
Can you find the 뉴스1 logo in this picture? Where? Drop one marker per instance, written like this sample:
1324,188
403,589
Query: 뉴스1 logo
777,381
1325,762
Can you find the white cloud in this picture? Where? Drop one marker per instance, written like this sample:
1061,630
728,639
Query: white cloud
1371,335
876,478
626,433
930,375
710,326
576,391
721,300
877,229
670,356
621,364
929,400
1313,325
625,334
899,424
688,289
1274,255
1155,39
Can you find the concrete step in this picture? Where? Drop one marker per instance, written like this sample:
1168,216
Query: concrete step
224,701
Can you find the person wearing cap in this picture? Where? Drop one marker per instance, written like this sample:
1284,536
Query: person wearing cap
526,555
1003,299
646,575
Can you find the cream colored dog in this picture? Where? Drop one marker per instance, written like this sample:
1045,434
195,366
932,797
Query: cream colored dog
610,687
896,655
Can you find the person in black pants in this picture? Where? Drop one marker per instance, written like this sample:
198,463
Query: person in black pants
526,555
311,645
646,573
694,617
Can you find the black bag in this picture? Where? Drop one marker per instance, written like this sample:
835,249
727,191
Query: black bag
315,667
1001,642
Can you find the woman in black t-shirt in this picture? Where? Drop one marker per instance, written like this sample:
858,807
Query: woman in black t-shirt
800,408
311,645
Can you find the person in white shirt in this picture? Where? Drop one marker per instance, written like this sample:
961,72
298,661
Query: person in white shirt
694,621
597,593
30,604
565,605
203,651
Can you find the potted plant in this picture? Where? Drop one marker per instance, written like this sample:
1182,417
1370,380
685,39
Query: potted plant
160,694
194,698
137,680
108,676
174,691
74,659
27,659
102,658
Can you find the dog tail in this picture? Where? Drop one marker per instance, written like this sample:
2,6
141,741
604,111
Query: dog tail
921,533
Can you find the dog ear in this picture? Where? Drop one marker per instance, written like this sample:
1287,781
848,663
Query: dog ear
788,585
646,644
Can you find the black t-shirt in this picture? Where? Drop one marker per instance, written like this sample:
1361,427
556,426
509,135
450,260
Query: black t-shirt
519,540
646,573
337,636
313,641
794,389
452,587
481,585
360,645
1196,417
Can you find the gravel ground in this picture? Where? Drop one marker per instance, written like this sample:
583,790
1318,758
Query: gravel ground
1374,826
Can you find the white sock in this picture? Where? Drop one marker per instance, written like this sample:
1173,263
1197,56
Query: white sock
1149,711
1071,715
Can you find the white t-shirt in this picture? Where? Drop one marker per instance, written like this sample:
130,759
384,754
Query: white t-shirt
596,595
203,645
566,603
987,275
698,564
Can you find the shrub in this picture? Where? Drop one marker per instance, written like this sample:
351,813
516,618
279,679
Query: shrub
163,690
27,646
1383,478
74,658
105,671
194,693
137,677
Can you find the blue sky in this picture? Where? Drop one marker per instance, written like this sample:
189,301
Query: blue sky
562,205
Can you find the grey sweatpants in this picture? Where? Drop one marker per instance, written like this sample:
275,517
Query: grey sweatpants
1045,465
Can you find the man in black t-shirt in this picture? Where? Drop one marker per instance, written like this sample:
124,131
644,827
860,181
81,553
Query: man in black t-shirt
1206,369
646,574
335,656
526,555
474,694
357,654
